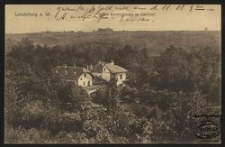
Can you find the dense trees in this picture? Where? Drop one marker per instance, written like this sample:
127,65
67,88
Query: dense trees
196,70
163,94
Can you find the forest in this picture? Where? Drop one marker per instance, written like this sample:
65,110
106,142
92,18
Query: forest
157,104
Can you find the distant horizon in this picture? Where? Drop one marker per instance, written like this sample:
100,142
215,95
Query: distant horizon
73,31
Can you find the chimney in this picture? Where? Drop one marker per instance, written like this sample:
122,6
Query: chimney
112,61
91,68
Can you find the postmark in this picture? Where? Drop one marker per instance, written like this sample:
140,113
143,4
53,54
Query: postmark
208,127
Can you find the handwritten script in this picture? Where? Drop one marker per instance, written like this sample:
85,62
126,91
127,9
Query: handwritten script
121,13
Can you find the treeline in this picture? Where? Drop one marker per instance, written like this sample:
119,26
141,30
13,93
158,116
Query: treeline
178,83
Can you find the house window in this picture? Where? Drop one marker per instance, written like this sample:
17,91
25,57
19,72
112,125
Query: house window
121,77
85,75
89,83
80,78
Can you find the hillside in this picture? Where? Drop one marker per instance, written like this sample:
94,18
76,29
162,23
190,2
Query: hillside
154,41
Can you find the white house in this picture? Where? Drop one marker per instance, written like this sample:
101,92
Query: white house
81,76
108,71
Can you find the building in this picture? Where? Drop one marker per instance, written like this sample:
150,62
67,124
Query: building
109,71
81,76
105,30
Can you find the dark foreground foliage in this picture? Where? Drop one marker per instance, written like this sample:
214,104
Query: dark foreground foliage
156,105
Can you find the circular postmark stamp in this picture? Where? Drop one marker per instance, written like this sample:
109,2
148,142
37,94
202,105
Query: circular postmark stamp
208,126
207,130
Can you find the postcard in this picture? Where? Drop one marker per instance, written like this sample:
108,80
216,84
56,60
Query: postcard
112,73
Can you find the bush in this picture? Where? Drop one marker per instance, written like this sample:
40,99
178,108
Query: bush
178,121
23,136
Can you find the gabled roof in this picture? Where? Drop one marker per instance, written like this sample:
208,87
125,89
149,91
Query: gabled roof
97,79
97,68
71,73
103,62
115,68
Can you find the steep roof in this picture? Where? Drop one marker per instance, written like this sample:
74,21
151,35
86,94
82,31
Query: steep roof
97,68
115,68
103,62
97,79
71,73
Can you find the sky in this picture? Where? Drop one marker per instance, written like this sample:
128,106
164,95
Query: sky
159,19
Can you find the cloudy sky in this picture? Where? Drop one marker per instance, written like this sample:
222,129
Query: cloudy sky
157,18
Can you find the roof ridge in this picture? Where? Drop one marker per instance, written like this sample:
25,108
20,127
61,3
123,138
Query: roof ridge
115,68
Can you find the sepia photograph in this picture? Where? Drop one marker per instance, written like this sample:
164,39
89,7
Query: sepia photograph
112,74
